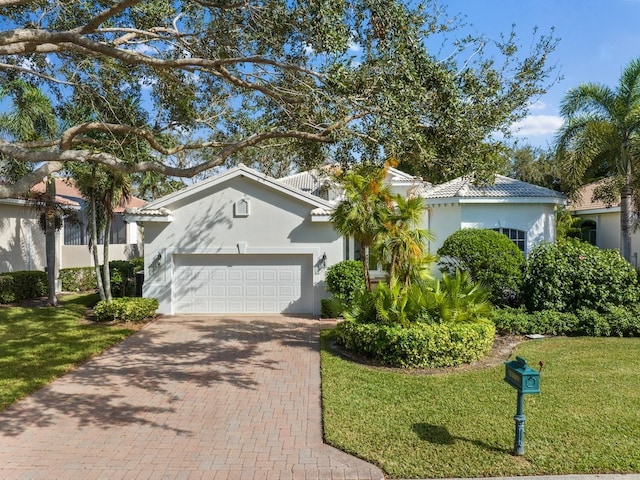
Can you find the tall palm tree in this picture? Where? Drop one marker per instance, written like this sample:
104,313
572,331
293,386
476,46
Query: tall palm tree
117,193
600,134
361,211
32,118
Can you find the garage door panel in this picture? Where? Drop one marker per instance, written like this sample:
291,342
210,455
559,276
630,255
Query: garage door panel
243,283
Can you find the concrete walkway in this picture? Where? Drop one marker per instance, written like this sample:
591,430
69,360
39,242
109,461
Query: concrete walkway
185,398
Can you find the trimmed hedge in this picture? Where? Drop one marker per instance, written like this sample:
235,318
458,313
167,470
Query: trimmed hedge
617,321
22,285
571,275
82,279
126,309
421,345
490,258
79,279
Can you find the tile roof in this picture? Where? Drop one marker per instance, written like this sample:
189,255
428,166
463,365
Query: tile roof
68,194
504,187
310,181
584,199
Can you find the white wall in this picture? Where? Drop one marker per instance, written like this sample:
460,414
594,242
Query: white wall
22,244
538,220
444,220
608,233
205,223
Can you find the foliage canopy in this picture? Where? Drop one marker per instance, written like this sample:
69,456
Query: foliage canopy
181,87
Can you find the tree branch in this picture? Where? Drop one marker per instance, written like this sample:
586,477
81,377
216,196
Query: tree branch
96,21
20,41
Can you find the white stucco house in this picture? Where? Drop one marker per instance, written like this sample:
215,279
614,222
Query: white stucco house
243,242
600,222
22,242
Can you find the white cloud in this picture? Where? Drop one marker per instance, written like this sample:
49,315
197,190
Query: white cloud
354,47
537,125
539,105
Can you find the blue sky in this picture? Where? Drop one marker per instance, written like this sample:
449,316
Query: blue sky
598,38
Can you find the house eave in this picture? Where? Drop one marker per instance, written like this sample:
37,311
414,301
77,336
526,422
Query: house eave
495,200
596,211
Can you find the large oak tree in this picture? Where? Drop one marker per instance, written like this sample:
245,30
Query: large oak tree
180,87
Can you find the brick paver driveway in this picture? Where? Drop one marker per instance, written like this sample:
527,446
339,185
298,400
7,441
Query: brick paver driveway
186,397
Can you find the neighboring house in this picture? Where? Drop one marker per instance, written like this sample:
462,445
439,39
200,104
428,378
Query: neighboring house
600,222
22,243
243,242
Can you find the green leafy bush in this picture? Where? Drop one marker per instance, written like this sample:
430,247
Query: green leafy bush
491,259
421,345
126,309
22,285
450,299
79,279
82,279
616,321
544,322
571,275
345,280
331,307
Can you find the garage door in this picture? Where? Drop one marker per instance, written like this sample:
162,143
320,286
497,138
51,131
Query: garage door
243,284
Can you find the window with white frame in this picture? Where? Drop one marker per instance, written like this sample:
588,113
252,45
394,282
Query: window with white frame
519,237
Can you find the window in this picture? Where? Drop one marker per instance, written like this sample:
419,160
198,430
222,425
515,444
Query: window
518,237
76,230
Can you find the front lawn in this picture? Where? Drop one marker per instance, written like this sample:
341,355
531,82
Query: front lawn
39,344
586,420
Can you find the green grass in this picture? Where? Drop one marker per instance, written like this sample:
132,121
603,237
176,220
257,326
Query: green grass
38,345
586,420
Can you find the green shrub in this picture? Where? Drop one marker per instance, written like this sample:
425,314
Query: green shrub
331,307
572,275
616,321
345,280
126,309
122,272
450,299
80,279
421,345
22,285
491,259
545,322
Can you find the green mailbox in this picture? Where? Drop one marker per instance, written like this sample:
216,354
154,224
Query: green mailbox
521,376
525,380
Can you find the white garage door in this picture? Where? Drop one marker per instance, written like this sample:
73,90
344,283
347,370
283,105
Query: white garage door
243,284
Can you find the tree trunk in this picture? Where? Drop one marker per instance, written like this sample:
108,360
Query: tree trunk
626,206
364,254
626,211
50,242
94,246
105,267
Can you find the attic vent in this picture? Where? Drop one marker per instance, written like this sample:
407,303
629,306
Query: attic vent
241,208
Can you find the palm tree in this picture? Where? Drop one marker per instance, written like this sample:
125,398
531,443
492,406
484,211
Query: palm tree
117,193
361,211
401,243
32,118
600,135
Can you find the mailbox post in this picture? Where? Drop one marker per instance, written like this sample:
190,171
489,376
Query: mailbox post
525,380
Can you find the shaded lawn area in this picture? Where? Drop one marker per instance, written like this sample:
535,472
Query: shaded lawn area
40,344
586,420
